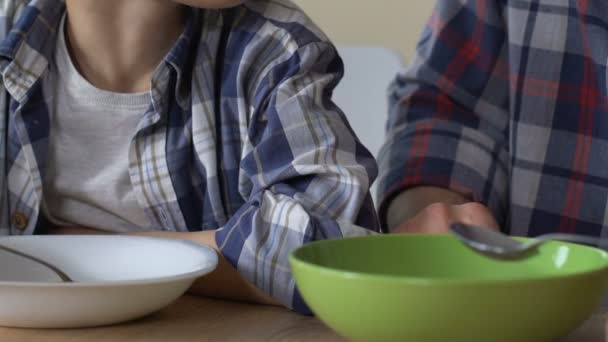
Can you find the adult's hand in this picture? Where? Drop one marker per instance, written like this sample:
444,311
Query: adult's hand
432,210
437,218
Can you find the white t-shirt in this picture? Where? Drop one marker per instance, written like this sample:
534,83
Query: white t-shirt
87,182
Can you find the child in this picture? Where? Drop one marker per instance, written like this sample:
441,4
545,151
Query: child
210,120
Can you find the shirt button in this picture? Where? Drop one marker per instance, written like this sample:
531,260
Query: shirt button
20,220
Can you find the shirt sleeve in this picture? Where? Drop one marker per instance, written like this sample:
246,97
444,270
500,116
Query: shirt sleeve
10,11
449,115
310,174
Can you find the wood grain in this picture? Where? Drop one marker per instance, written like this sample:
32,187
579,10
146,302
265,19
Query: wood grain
593,330
194,319
202,319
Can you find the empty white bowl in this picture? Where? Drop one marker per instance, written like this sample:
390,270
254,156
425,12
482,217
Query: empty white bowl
117,278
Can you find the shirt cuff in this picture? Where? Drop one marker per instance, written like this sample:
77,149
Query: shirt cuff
445,155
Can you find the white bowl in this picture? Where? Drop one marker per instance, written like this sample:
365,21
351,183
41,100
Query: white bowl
117,278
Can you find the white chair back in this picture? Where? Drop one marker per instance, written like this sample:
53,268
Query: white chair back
362,94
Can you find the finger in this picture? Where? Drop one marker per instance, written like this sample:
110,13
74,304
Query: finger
474,214
434,219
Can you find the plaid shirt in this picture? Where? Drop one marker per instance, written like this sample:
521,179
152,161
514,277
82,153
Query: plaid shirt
507,102
241,136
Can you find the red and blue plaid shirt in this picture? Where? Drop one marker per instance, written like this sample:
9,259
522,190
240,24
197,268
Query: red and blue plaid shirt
507,102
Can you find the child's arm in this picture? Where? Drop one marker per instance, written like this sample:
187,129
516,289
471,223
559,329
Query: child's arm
307,176
223,282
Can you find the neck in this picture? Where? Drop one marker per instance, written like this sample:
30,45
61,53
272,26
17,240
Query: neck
117,45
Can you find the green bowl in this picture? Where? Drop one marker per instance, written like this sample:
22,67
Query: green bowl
433,288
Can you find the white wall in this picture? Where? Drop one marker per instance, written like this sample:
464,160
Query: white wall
390,23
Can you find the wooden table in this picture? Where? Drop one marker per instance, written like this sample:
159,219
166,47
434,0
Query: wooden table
201,319
593,330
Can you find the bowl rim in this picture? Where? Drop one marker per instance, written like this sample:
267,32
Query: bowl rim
427,281
209,252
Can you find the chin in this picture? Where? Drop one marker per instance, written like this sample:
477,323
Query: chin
211,3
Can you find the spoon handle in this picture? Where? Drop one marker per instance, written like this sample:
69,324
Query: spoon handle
583,239
64,277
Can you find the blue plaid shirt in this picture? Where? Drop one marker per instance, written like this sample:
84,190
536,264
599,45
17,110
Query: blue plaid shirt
241,136
507,102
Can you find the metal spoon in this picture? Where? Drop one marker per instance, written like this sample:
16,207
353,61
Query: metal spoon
64,277
499,245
